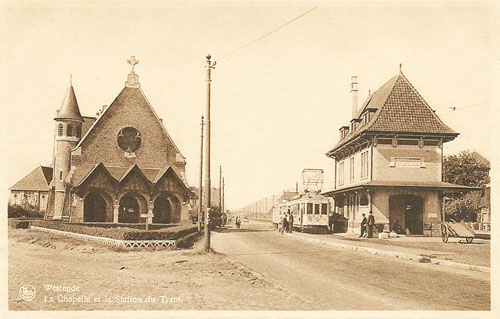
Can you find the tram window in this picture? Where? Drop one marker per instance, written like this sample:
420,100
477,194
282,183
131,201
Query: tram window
324,209
309,208
316,209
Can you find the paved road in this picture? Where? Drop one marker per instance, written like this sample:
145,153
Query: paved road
335,279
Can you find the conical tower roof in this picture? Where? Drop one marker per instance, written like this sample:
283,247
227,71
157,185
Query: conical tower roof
69,108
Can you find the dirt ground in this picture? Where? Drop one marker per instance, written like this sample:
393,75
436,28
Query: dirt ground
107,279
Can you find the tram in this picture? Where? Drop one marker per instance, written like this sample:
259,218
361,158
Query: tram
310,211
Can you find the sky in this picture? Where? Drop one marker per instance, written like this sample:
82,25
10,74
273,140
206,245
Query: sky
277,104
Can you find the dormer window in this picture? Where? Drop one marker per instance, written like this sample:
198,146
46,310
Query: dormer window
344,130
354,124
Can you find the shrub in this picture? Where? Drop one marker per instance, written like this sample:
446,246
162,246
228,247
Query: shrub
15,211
19,223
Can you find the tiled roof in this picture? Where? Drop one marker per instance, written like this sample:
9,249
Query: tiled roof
406,111
153,175
38,180
481,159
399,109
69,108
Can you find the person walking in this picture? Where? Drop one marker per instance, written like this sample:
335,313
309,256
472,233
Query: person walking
370,224
290,222
283,224
363,226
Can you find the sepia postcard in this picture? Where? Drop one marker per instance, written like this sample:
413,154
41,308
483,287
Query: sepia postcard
264,159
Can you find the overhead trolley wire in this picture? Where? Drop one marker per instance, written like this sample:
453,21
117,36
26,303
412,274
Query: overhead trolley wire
455,109
268,33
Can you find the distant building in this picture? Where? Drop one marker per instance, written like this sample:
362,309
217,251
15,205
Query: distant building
214,198
121,166
33,189
389,160
484,216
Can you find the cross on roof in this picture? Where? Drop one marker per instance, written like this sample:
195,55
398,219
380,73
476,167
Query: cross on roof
133,61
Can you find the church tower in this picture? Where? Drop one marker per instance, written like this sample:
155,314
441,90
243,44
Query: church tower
68,131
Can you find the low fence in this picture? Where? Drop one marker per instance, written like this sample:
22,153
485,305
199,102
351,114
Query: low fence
110,241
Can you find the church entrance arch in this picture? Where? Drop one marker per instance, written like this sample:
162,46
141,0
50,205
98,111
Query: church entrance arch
167,209
408,212
131,206
162,210
95,207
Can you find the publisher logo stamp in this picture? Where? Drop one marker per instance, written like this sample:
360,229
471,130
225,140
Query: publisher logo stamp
27,292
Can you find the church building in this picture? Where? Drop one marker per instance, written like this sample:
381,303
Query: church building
121,166
389,160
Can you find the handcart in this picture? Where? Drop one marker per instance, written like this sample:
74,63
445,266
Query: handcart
455,229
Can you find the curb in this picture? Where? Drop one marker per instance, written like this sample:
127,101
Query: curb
381,252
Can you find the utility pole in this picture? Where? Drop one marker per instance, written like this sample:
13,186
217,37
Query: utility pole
220,188
200,213
208,205
223,195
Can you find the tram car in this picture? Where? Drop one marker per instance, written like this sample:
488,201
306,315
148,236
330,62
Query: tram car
310,212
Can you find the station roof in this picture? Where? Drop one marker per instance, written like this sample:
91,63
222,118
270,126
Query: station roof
400,109
403,184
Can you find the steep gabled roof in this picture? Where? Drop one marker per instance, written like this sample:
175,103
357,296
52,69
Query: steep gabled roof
94,170
130,170
120,174
128,93
170,169
69,108
399,109
481,159
38,180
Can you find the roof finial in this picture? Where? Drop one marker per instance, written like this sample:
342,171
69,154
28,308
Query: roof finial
132,61
132,78
71,80
400,68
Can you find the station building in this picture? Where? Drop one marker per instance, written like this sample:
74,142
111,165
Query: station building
389,160
121,166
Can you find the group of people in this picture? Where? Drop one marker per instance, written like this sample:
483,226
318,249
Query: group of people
286,223
367,225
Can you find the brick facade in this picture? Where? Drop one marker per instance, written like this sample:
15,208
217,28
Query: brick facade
389,162
96,179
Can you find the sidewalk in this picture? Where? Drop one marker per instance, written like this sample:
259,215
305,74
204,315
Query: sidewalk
475,256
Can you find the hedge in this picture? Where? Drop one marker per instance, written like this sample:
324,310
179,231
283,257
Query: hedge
120,232
127,225
19,223
15,211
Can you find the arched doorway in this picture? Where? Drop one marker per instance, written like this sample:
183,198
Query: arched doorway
129,210
407,211
175,216
94,207
162,210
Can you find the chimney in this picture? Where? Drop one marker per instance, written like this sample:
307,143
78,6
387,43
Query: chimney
354,91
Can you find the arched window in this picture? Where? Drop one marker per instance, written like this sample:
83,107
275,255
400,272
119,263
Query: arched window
69,130
363,201
60,129
78,131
